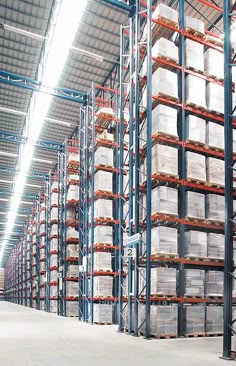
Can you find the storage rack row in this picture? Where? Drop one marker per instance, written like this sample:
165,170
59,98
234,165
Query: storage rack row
135,288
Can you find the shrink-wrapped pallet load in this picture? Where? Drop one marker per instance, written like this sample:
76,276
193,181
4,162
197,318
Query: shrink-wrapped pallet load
163,240
54,230
194,25
163,320
195,129
54,198
102,313
195,244
214,63
195,166
53,291
42,229
72,270
42,266
71,232
70,214
163,281
102,235
72,308
54,186
163,48
215,207
194,319
73,193
164,120
215,135
194,55
53,260
102,261
72,250
214,319
164,201
215,171
194,282
106,135
165,82
103,208
215,97
195,205
53,306
103,286
73,158
72,289
103,181
103,156
214,283
53,275
195,91
73,178
215,245
164,160
42,212
54,214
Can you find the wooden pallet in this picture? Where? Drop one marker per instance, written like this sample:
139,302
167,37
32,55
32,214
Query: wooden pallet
196,143
214,222
195,70
196,181
195,219
214,77
196,106
167,175
216,112
99,323
195,33
214,334
164,336
214,185
167,97
166,135
165,255
194,335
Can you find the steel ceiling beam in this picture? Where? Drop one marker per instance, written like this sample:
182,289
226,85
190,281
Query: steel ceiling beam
32,175
119,4
31,84
24,195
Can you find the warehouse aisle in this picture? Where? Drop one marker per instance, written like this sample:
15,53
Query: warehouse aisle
35,338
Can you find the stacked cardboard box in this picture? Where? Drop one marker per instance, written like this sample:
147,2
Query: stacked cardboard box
194,319
214,283
195,205
214,319
1,284
103,181
102,313
165,200
215,171
195,129
194,282
215,207
195,166
163,281
215,245
103,286
195,244
164,240
163,320
164,160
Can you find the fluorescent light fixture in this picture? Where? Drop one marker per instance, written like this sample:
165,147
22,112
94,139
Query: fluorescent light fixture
33,185
4,199
88,54
62,30
3,213
21,215
59,122
23,32
13,111
27,202
50,162
5,153
6,181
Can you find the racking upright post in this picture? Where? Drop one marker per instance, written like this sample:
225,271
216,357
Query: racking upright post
229,110
37,256
47,242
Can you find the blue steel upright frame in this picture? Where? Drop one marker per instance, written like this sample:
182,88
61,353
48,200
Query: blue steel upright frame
47,242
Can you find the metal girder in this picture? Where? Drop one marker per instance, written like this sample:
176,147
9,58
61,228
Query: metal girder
20,210
25,195
119,4
32,175
31,84
10,137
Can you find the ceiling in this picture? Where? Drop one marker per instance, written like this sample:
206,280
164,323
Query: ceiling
98,32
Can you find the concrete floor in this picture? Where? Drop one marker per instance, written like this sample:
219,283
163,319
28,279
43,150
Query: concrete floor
35,338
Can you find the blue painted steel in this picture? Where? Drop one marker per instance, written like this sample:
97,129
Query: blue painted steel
37,278
10,137
33,175
119,4
30,84
25,195
47,242
229,163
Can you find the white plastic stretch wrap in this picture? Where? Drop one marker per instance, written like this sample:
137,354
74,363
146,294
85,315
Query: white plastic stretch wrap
215,97
42,266
73,177
73,193
54,198
54,230
53,275
54,186
195,205
196,129
195,244
195,166
196,91
73,157
164,119
214,63
103,286
164,200
215,171
102,234
54,213
163,281
103,156
194,55
194,319
162,48
214,283
214,319
194,282
54,244
70,214
164,160
102,313
163,320
106,136
53,306
72,270
215,245
103,181
165,82
72,250
72,288
42,252
72,233
42,213
102,261
164,240
194,24
103,208
53,260
215,206
53,291
215,135
72,308
42,229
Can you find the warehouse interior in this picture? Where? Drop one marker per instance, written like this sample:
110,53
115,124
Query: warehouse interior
117,182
